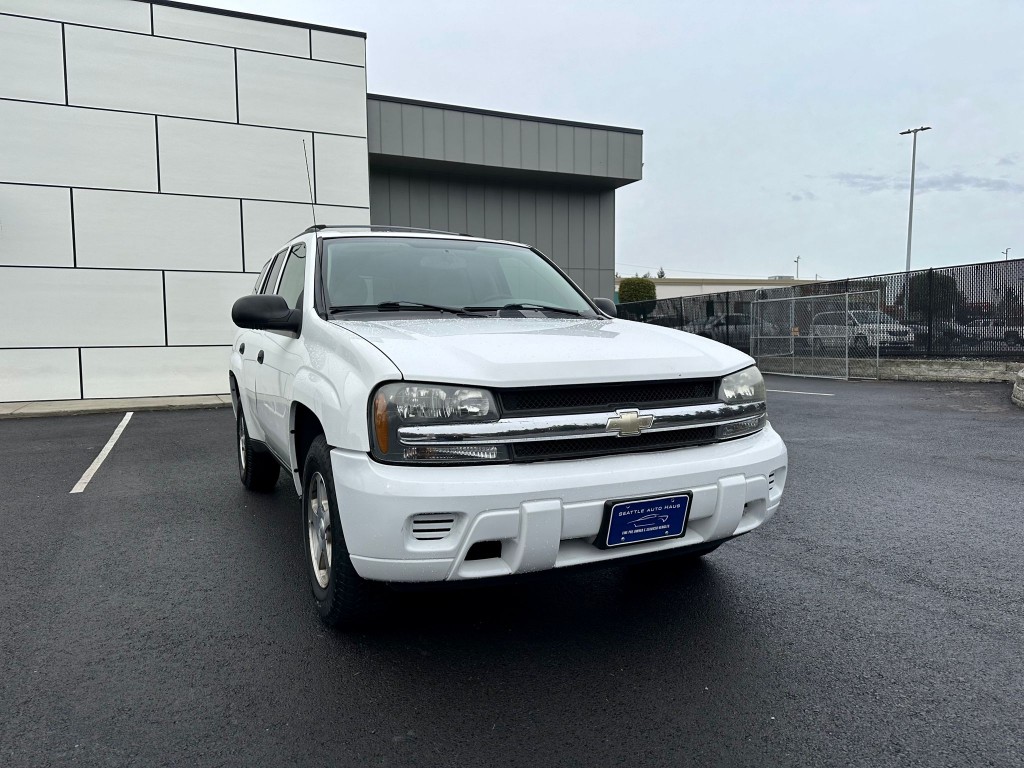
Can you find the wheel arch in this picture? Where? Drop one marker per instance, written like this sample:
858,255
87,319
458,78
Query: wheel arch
306,426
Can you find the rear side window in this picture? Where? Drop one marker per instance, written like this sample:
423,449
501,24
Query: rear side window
294,276
262,278
275,270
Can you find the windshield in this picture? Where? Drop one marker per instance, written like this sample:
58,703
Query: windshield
363,272
867,317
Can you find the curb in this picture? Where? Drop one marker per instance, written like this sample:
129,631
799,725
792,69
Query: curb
75,407
962,371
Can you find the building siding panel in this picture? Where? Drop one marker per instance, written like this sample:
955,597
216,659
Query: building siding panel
38,374
342,49
230,31
219,159
31,60
633,156
35,226
454,136
511,146
530,142
155,371
433,134
64,146
581,150
200,233
168,77
290,93
390,128
473,126
128,15
112,307
412,130
341,176
199,306
548,137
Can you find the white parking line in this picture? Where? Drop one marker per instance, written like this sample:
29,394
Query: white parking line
84,480
792,392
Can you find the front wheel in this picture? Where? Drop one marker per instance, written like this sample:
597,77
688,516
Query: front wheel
257,470
343,597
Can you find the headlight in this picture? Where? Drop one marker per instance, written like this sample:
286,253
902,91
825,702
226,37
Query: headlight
746,386
405,404
742,387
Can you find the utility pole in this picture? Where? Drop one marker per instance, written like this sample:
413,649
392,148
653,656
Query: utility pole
1006,254
910,219
797,262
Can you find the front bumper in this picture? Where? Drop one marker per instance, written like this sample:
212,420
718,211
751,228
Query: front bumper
545,514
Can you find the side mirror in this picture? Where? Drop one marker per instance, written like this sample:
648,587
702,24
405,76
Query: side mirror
607,306
266,313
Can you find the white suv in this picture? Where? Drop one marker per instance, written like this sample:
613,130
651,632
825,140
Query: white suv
861,330
454,408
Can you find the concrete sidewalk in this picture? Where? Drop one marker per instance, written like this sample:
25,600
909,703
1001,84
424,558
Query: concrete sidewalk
66,407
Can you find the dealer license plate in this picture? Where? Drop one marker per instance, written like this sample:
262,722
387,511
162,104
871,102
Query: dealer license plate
629,522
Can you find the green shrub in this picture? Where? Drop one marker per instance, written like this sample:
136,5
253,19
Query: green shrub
637,289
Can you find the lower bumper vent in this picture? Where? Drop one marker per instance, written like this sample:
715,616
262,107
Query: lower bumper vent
432,527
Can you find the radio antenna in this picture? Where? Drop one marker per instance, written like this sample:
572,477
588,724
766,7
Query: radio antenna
309,180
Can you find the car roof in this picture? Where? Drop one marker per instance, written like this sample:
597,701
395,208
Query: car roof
383,230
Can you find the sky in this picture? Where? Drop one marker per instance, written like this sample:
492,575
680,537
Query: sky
771,129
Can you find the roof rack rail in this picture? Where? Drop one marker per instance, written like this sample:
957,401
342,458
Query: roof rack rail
378,228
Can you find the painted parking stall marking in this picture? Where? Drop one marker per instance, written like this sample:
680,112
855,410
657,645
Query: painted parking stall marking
794,392
83,481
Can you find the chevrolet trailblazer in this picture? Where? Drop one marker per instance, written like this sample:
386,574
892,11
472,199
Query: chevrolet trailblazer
451,408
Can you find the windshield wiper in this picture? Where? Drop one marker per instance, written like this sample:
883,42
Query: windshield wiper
398,306
542,307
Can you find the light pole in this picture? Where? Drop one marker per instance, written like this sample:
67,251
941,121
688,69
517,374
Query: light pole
910,220
1006,254
797,262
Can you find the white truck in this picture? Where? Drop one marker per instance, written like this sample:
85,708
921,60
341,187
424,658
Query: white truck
451,408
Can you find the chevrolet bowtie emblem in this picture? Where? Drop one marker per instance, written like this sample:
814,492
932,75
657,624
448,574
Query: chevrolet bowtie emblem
628,422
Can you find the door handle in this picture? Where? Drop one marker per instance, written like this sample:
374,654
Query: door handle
259,357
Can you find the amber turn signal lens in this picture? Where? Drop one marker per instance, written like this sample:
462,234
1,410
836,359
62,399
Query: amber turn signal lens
380,421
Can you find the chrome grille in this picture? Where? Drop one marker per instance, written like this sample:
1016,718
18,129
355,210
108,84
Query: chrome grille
604,446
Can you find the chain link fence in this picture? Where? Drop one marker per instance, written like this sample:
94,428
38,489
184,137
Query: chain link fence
971,310
833,336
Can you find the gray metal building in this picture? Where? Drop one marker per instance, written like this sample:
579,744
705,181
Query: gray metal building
550,183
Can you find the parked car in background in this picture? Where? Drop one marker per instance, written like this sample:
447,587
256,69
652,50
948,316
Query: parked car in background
861,330
941,335
989,329
732,327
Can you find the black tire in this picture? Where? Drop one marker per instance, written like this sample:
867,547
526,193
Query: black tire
347,599
860,346
1011,337
258,470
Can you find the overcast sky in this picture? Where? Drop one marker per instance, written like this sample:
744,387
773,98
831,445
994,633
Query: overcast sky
770,129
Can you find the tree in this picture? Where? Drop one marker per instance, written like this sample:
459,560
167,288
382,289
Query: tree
661,272
933,290
640,291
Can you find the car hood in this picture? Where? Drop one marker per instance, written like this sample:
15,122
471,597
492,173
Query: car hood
543,351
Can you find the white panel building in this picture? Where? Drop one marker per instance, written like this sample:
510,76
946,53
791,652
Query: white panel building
152,159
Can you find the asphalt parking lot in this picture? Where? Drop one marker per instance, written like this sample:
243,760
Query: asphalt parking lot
162,616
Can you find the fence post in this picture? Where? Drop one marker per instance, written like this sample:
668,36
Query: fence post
728,339
931,301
